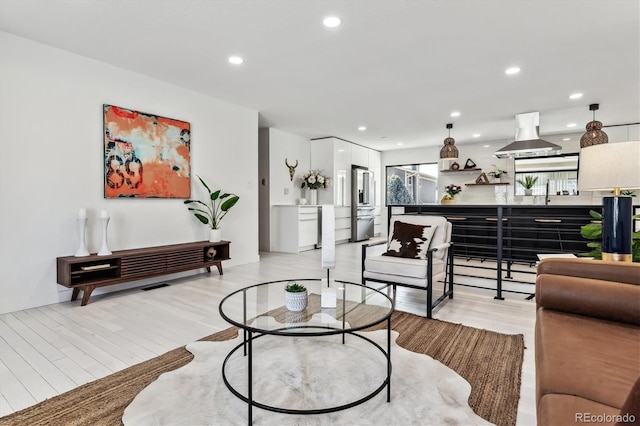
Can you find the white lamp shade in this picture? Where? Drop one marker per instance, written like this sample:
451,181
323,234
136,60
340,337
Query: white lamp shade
608,166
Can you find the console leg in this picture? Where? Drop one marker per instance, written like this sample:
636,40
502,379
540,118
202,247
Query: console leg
75,293
86,294
219,265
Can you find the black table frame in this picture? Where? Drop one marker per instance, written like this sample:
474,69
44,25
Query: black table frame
252,333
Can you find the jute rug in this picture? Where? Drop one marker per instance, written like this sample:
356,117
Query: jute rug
491,362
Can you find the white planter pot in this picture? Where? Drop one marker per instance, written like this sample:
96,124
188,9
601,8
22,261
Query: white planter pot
312,197
215,235
528,192
296,301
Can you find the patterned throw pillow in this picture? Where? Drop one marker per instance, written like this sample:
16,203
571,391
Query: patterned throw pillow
409,240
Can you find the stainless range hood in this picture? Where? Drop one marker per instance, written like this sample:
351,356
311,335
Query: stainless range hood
528,142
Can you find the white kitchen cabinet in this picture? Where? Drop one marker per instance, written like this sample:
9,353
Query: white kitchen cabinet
296,228
360,155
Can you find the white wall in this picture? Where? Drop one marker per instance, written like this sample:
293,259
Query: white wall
51,164
283,190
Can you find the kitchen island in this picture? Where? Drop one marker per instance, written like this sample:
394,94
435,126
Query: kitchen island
511,234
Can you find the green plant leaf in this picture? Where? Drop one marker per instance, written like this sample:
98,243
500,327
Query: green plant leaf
204,184
229,203
591,231
594,214
225,195
202,218
215,195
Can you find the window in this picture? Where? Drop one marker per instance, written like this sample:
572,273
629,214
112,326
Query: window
557,175
412,184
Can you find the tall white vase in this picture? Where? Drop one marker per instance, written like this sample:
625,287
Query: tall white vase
312,198
104,249
81,223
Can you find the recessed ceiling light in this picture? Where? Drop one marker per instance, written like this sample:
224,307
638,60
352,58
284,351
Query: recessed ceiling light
332,22
455,114
476,135
399,144
486,146
236,60
362,128
571,125
512,70
575,96
341,150
566,139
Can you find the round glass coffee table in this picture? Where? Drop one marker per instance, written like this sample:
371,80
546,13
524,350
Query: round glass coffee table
338,308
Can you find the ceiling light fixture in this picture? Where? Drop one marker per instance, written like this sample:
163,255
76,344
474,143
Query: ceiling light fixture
236,60
455,114
594,134
449,150
399,144
486,146
571,125
512,71
566,139
575,96
476,135
332,22
362,128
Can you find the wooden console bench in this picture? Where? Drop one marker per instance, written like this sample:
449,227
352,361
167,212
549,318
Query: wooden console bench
89,272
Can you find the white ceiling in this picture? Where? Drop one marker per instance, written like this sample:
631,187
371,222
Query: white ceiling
398,67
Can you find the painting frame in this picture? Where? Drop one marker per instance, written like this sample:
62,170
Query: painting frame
145,155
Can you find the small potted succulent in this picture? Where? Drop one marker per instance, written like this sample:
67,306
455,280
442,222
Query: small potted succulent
296,297
528,183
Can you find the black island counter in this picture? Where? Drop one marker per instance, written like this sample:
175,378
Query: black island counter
510,235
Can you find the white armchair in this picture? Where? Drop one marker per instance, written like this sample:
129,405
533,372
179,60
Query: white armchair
419,254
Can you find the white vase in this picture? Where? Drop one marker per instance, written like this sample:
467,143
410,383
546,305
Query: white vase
215,235
312,197
497,180
81,223
104,249
296,301
528,192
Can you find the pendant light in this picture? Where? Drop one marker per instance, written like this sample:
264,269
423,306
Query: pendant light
594,134
449,150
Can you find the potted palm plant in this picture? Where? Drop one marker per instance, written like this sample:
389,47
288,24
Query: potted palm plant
528,183
211,212
296,297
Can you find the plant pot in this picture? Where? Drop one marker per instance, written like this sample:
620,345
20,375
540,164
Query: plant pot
528,192
215,235
447,202
296,301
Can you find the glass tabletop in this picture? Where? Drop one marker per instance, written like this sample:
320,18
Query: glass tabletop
262,308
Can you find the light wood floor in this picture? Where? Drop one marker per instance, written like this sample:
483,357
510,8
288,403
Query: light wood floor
52,349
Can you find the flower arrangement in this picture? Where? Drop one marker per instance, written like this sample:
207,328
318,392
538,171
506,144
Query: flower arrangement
451,191
496,172
314,180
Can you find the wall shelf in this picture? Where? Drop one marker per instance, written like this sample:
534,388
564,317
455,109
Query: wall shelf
475,169
487,184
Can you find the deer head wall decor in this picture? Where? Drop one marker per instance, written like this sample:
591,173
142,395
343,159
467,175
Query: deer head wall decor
292,169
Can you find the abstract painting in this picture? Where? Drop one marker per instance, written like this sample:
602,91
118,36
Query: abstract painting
145,155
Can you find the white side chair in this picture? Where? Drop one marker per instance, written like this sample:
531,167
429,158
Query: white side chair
434,265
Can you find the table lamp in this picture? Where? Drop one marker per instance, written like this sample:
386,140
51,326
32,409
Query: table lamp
607,167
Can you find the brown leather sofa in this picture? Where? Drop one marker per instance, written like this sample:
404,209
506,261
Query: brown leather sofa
587,342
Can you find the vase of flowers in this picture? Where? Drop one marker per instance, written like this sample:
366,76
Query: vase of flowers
450,192
496,173
312,181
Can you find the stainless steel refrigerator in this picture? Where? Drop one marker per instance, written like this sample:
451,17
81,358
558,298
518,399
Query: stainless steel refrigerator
362,203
